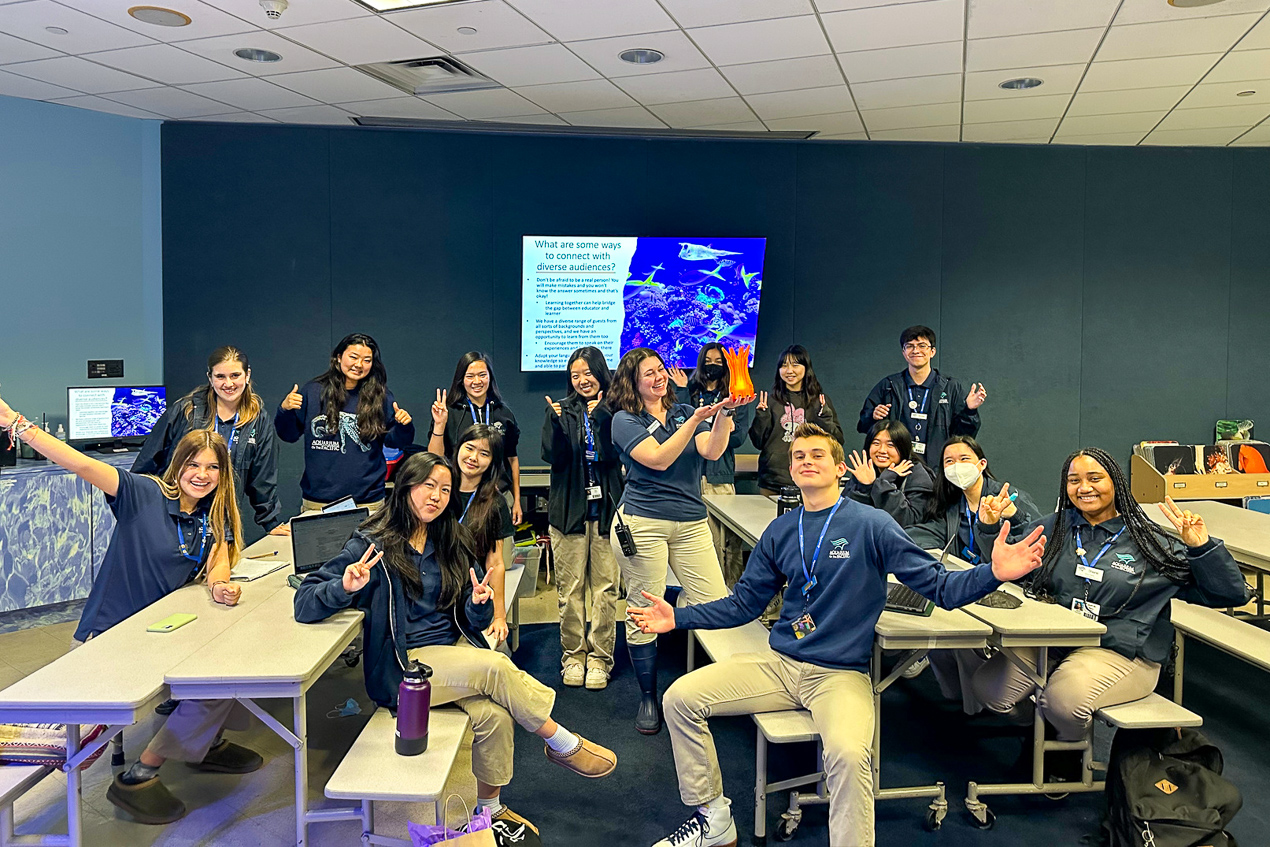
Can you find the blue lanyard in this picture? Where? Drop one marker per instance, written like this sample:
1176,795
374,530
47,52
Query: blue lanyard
1080,549
810,574
468,506
590,447
925,397
971,553
233,432
202,545
476,418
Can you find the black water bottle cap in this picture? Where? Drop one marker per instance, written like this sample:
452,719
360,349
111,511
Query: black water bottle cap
417,671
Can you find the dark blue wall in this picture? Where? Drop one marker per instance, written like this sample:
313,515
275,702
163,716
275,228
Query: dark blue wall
1103,295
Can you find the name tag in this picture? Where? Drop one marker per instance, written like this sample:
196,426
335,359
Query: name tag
918,416
1088,573
1086,609
593,493
653,427
919,448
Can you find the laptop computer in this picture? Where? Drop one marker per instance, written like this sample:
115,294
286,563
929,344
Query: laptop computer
318,537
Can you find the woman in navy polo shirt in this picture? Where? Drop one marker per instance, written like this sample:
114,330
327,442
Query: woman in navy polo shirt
168,532
664,446
346,417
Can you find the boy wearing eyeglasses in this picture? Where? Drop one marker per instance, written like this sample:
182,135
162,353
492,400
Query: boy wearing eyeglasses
931,405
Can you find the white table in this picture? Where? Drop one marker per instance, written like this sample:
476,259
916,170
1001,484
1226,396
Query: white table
1245,532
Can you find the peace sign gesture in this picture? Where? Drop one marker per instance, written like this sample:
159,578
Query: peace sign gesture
976,396
481,592
357,574
1189,525
440,410
762,400
992,508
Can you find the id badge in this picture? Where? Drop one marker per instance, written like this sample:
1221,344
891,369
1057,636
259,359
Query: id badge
803,626
593,493
1088,573
808,586
919,448
1086,608
918,416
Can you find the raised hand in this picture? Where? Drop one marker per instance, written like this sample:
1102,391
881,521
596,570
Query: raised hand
1189,525
7,415
440,410
357,574
881,411
400,415
294,399
659,617
762,400
704,413
976,396
992,508
678,377
481,592
735,402
1013,561
591,404
861,468
555,407
902,468
226,593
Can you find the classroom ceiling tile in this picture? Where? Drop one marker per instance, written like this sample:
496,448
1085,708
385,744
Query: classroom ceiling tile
1258,38
1050,48
1131,100
918,133
12,85
205,21
1124,122
1115,139
101,104
167,64
939,114
16,50
913,91
690,13
675,87
1174,38
1147,73
577,20
536,120
360,41
1039,130
847,5
233,118
581,96
336,85
990,18
251,95
796,104
485,105
899,62
895,26
1141,11
171,102
1227,94
680,54
1200,137
294,57
784,75
1241,66
323,115
1032,108
1055,79
399,107
841,136
762,41
739,126
1257,136
834,124
298,13
518,66
83,33
81,75
632,116
496,25
1216,116
700,112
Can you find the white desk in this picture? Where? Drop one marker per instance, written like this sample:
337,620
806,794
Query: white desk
1245,532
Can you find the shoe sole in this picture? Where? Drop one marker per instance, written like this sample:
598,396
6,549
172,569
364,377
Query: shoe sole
642,731
199,766
120,803
603,685
573,684
612,767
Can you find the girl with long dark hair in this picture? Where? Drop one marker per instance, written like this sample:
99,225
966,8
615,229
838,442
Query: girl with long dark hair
1107,561
664,446
229,405
799,397
346,417
586,483
473,398
412,571
888,476
483,510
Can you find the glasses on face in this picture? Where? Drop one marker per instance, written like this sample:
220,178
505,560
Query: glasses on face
916,347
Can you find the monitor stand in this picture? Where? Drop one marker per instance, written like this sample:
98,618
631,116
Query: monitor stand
117,446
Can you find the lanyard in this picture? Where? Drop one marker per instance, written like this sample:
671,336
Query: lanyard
590,449
476,418
971,553
925,397
1080,550
468,506
233,432
201,547
810,574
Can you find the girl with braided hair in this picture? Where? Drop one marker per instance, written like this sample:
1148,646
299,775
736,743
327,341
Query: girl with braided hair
1107,561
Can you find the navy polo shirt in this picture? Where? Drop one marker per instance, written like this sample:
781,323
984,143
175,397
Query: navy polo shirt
146,560
670,495
921,395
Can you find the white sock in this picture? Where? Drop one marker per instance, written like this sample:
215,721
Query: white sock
494,804
562,740
718,810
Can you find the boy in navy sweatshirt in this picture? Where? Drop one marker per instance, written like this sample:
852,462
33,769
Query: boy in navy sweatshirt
835,555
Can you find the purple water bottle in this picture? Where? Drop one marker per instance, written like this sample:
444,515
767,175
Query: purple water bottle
414,698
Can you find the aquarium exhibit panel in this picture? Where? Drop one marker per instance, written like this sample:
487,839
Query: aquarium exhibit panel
618,293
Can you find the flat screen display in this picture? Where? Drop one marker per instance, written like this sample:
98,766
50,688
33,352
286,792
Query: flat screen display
114,412
618,293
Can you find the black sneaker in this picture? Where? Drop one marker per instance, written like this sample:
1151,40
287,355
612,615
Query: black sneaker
511,830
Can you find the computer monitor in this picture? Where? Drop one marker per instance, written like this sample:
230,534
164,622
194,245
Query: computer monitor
113,416
318,537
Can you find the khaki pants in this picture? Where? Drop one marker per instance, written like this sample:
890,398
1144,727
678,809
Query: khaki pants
841,706
684,546
494,693
585,563
955,671
1080,683
314,506
727,545
188,733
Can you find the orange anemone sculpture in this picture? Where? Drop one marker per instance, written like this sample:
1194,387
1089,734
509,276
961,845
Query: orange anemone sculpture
738,361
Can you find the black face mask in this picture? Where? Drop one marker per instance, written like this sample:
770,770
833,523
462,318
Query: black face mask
712,373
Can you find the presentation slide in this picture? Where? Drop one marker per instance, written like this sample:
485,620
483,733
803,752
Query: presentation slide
617,293
104,413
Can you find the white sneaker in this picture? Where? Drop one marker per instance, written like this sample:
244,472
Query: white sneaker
597,678
698,832
916,670
574,674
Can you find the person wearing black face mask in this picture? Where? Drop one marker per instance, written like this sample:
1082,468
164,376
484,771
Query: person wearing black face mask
709,384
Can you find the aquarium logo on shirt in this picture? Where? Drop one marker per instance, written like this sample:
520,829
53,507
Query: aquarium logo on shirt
323,439
1124,562
840,550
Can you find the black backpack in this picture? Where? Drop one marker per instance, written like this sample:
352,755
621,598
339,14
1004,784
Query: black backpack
1165,789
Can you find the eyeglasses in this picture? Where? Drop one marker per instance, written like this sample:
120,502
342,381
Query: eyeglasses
917,348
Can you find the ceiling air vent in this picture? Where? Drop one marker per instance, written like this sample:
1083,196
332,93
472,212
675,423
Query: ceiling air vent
429,76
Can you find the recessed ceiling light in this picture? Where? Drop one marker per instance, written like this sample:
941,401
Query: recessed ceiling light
1022,83
1247,93
467,30
56,30
641,56
159,16
1190,4
251,54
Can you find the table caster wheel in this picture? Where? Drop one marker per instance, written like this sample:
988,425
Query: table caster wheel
785,829
984,819
934,820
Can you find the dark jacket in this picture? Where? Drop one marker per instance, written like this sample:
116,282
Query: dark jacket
773,430
254,457
383,602
1144,627
933,533
500,417
722,471
949,414
907,498
564,449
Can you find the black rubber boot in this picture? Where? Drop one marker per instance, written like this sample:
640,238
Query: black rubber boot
644,660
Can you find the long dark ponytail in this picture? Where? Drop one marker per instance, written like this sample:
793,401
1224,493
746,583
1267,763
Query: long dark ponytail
372,390
482,519
396,523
